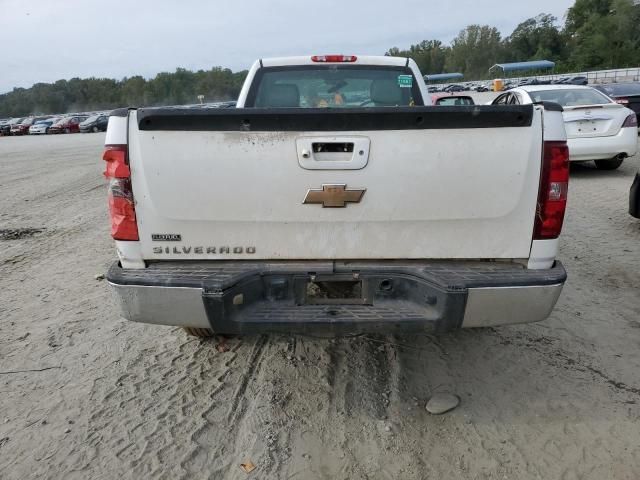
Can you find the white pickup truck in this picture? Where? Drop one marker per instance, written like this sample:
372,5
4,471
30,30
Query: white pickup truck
336,197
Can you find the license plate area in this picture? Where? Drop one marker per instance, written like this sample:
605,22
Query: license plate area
331,290
587,126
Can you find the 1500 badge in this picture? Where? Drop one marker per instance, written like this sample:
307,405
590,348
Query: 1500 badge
224,250
166,237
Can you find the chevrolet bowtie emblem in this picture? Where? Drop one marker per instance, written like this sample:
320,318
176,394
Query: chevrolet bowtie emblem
335,196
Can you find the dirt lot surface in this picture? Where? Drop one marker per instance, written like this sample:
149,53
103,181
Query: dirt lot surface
84,394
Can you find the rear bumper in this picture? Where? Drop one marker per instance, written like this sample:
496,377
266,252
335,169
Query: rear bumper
259,297
602,148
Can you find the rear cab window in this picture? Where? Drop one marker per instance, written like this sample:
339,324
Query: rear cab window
334,86
448,101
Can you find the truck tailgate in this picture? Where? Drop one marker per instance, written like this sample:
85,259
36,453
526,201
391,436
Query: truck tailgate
434,182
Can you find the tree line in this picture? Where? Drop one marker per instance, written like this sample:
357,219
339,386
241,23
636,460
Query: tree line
90,94
596,34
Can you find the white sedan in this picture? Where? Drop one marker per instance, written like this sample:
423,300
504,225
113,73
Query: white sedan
41,126
597,127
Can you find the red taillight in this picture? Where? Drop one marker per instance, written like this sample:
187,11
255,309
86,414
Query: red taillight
631,121
117,162
622,101
552,196
334,58
122,210
121,205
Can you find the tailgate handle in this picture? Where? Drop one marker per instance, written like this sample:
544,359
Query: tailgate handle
332,147
333,153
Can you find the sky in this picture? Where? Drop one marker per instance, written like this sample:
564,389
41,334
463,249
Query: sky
48,40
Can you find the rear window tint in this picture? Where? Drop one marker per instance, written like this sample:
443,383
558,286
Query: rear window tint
454,101
621,89
570,97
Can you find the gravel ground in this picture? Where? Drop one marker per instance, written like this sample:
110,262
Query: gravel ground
84,394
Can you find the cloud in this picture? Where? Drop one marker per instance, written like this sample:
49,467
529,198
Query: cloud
45,41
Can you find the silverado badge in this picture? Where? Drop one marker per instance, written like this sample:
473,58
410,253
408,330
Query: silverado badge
334,196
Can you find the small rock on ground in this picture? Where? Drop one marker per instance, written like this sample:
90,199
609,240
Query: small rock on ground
441,403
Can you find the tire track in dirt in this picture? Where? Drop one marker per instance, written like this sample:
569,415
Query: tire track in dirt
237,407
225,418
182,373
546,346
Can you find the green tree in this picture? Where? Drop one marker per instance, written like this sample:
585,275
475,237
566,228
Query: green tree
132,91
536,38
603,34
429,55
475,50
76,94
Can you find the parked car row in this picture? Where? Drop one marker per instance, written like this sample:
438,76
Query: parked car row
507,84
460,87
574,80
42,125
22,127
6,125
73,123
